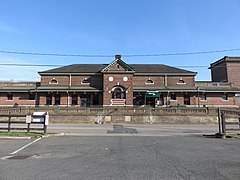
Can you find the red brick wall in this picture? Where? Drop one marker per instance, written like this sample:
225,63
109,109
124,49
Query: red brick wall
42,98
219,72
233,73
95,81
116,67
66,99
173,80
141,81
62,80
117,81
216,99
160,80
18,98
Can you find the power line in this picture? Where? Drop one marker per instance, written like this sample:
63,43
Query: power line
126,55
57,65
30,65
182,53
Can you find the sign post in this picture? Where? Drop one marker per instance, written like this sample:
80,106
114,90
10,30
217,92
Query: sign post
28,121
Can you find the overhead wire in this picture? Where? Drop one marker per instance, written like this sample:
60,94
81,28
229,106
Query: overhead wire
126,55
101,56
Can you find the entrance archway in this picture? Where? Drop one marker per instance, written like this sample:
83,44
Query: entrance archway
118,93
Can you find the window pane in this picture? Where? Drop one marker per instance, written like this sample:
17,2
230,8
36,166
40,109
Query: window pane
31,96
49,100
224,97
74,100
57,99
53,81
9,97
203,97
149,81
85,81
173,97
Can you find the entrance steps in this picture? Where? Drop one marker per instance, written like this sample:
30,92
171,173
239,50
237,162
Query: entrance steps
118,102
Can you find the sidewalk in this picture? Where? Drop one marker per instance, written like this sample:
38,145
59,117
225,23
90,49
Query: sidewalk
142,130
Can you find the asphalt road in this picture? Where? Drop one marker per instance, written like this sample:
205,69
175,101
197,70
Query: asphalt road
121,157
142,129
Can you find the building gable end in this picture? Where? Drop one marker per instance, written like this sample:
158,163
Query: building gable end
118,65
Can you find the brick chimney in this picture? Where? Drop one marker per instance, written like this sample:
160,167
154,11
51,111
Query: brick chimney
117,56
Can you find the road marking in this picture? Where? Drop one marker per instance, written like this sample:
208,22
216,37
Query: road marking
15,152
5,157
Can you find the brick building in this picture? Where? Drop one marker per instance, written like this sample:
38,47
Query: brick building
122,84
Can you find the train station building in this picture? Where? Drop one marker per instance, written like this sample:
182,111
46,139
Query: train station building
121,84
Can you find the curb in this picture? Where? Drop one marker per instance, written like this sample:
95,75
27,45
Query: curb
14,137
30,137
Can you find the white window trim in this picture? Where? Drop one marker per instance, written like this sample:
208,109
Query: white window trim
50,82
150,80
85,83
181,83
181,79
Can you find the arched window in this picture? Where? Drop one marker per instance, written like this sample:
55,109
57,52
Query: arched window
118,93
53,81
85,81
149,81
181,81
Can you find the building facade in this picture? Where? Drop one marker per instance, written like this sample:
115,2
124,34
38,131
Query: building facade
122,84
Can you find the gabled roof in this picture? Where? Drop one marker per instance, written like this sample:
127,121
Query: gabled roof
77,68
159,68
225,59
138,69
120,62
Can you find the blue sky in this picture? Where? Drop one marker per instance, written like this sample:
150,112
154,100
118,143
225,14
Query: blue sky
108,27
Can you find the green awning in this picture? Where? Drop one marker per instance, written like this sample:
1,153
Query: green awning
152,94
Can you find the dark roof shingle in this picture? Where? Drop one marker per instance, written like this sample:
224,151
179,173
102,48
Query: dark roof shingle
97,68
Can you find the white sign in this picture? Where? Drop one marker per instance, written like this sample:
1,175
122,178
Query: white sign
28,119
46,119
38,117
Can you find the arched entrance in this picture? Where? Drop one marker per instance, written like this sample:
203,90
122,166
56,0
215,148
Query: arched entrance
118,96
118,93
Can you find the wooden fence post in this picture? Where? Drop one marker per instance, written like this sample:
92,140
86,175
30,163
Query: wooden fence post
239,121
219,121
28,127
223,125
9,122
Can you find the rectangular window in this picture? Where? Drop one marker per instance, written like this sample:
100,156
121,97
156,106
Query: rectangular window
9,97
173,97
74,100
49,99
31,96
203,97
224,97
57,99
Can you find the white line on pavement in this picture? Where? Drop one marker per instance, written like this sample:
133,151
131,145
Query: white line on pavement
15,152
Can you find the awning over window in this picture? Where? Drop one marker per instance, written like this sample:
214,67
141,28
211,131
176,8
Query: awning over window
152,94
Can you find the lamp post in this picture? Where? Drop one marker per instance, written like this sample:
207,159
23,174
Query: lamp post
198,96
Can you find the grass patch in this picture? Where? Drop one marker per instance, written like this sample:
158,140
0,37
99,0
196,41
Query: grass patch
233,135
21,134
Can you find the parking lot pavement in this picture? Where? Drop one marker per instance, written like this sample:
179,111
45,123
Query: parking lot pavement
142,130
8,146
120,157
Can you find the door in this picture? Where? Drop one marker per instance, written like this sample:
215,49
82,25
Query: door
186,99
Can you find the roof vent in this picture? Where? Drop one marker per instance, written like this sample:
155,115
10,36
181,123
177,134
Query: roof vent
118,56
